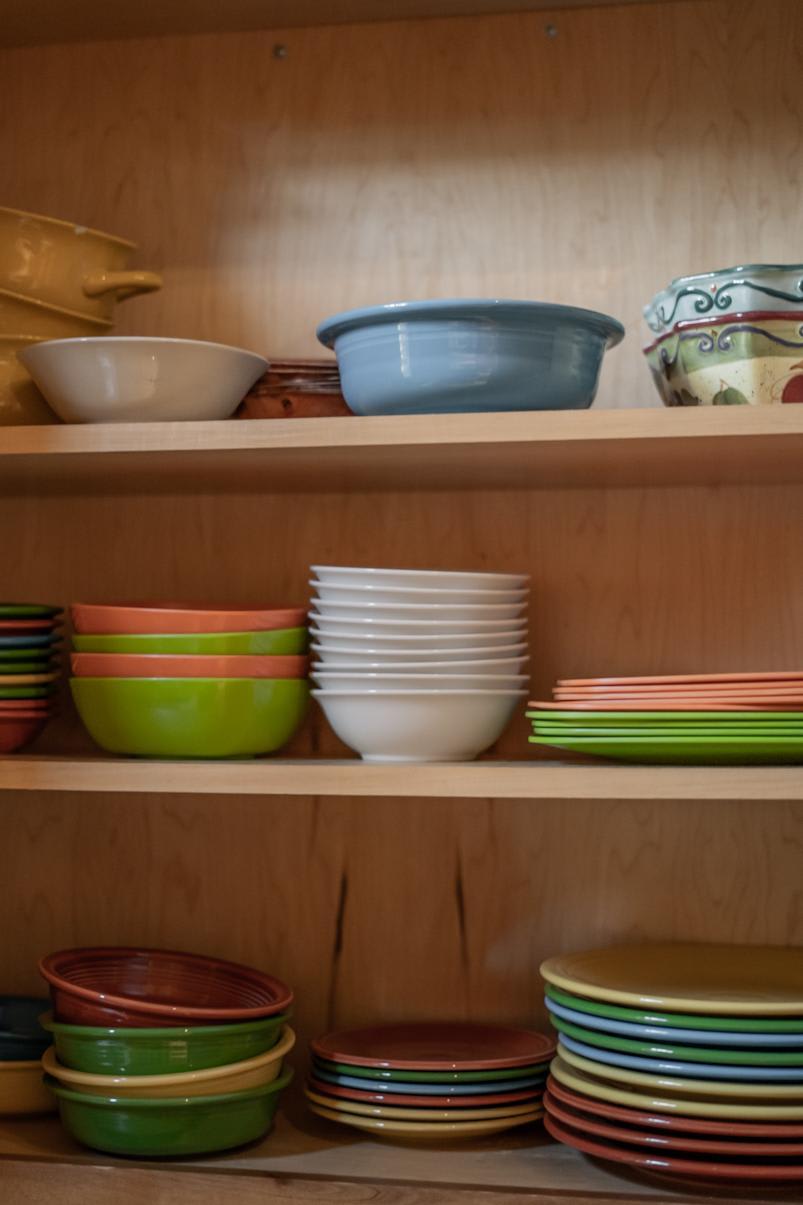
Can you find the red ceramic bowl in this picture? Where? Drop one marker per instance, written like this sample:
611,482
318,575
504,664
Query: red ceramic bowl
132,619
20,729
156,665
115,985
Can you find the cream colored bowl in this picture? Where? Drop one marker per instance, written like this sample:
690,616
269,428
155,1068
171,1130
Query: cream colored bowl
27,316
232,1077
21,403
22,1089
67,265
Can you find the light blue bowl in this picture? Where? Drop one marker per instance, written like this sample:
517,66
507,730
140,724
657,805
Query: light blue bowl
442,357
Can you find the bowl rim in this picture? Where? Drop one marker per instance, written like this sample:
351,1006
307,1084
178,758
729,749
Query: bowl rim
165,1102
112,340
406,694
132,1033
725,319
75,227
49,964
464,308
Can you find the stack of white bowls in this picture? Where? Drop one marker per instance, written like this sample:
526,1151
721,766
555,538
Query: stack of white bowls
414,665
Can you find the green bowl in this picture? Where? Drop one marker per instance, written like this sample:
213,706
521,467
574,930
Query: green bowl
191,717
182,1125
432,1077
160,1051
277,643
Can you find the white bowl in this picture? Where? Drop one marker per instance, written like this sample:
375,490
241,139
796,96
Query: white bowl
117,379
426,579
398,594
479,669
419,726
362,682
460,648
390,611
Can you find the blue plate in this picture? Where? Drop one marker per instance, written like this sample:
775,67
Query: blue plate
652,1033
351,1081
707,1071
29,642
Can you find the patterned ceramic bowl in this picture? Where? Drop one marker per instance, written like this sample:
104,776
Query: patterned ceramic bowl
751,359
774,288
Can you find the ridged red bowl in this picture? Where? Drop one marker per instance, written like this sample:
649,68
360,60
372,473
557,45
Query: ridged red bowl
138,988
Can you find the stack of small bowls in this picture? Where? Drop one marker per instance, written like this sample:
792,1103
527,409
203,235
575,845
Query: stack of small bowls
162,1053
189,681
29,668
22,1044
418,665
430,1081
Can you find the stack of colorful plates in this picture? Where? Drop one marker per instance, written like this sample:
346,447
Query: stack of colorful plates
29,668
683,1060
22,1044
430,1080
702,718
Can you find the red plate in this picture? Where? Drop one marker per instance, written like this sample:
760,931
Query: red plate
684,679
21,627
672,1121
670,1141
670,1165
436,1046
429,1102
662,704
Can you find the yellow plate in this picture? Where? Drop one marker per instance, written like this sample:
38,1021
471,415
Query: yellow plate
26,679
690,1087
423,1114
762,981
232,1077
22,1089
445,1130
668,1102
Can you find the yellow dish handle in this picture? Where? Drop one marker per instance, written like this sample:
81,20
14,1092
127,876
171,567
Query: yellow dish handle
124,284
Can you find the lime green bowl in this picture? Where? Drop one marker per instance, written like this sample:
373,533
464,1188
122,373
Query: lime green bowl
191,717
193,1125
116,1051
278,643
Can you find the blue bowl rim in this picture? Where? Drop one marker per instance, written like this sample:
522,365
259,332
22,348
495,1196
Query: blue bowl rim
466,308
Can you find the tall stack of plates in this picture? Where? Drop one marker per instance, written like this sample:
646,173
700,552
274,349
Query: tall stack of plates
682,1060
29,669
439,1080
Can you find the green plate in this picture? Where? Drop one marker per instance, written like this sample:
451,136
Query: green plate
628,719
684,750
14,656
28,611
278,643
26,692
677,730
431,1077
616,1012
696,1054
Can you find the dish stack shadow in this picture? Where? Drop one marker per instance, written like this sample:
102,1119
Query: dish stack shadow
704,719
188,680
296,389
418,665
30,639
429,1081
161,1053
680,1060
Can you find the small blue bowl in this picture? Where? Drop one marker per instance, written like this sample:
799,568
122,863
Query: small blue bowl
447,357
21,1035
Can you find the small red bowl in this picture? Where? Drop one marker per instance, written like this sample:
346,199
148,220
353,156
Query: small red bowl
160,665
134,619
119,986
20,729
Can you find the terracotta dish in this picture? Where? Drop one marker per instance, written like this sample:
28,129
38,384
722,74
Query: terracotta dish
154,665
92,619
686,679
435,1046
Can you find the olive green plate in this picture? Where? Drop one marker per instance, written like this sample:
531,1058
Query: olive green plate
684,750
648,719
432,1077
165,1051
277,643
28,611
26,692
26,667
181,1125
697,1054
30,655
617,1012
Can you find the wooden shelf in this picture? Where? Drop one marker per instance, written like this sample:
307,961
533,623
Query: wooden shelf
469,780
570,449
306,1160
47,21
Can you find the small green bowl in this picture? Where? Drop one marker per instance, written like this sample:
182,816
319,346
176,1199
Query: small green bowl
160,1051
191,717
182,1125
277,643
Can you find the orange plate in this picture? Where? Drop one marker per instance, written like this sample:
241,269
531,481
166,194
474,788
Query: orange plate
685,679
134,619
156,665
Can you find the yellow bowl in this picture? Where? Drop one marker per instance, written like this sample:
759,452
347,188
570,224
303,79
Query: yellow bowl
22,1089
29,316
21,403
232,1077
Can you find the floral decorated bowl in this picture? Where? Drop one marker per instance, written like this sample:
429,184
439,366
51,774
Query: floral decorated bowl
751,359
775,288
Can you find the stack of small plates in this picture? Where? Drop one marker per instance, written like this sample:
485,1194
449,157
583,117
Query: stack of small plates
682,1060
430,1080
702,718
29,668
418,665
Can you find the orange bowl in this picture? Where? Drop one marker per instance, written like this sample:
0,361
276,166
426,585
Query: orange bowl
159,665
133,619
